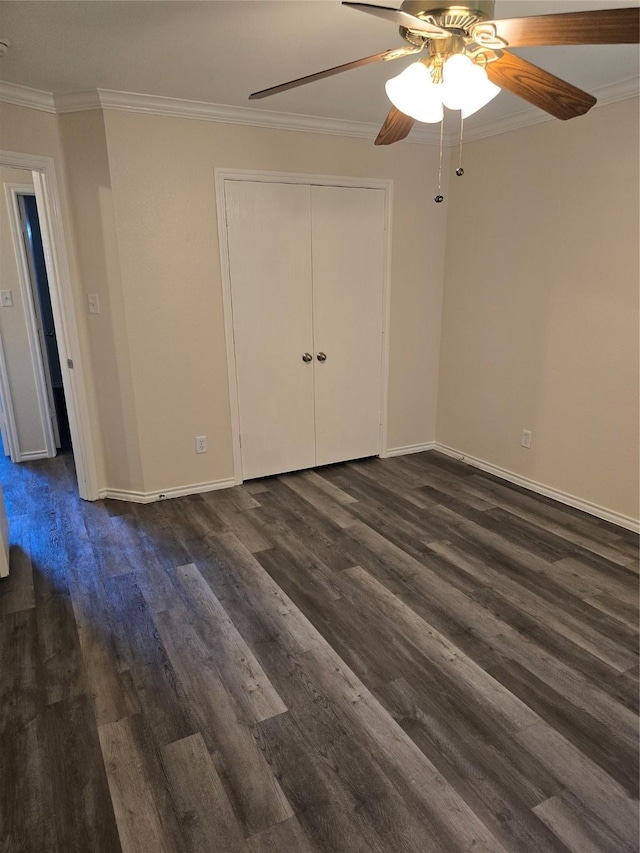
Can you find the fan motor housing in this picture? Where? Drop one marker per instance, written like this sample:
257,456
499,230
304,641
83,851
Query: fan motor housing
457,15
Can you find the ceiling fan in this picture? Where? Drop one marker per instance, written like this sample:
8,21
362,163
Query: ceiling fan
466,62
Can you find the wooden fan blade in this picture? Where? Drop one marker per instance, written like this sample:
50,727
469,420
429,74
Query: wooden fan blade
402,19
539,87
396,127
386,56
606,26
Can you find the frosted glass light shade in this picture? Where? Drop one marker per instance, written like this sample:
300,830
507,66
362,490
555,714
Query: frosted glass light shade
415,94
465,85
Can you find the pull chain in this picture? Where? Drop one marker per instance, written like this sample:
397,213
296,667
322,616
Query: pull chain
460,170
440,198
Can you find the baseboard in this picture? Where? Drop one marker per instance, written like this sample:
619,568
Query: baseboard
410,448
602,512
32,455
181,491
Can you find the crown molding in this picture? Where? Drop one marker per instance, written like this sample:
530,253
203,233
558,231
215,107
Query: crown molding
204,111
620,91
23,96
77,102
106,99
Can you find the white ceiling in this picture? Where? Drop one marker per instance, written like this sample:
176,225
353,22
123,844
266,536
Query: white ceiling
222,50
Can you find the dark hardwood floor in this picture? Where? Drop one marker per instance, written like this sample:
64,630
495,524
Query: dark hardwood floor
386,655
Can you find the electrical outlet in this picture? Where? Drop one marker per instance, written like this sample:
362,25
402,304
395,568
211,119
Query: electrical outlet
6,298
201,444
526,438
94,303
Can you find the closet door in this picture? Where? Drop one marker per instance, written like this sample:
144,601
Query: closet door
348,239
268,231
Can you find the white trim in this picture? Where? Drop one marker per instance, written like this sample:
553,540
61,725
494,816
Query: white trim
31,455
108,99
23,96
64,318
302,178
75,102
386,324
621,91
59,275
540,488
221,177
9,414
180,491
410,448
227,311
204,111
11,192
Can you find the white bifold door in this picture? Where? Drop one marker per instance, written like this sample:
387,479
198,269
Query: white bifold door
306,266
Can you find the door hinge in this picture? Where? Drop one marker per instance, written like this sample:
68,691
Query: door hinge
70,363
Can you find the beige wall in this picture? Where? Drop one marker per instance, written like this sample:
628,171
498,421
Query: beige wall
93,222
540,319
13,332
162,182
138,200
540,313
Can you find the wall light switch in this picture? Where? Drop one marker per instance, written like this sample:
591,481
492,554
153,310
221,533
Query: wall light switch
94,303
6,298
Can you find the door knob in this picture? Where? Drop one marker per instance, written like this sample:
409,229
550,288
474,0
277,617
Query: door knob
307,357
321,356
49,334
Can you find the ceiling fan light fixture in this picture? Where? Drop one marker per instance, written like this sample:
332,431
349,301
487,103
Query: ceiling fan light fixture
414,93
465,85
481,97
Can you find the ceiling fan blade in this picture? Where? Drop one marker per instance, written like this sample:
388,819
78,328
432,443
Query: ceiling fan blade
386,56
605,26
539,87
402,19
396,127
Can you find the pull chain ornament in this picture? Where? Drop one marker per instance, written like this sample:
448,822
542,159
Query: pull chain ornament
439,198
460,170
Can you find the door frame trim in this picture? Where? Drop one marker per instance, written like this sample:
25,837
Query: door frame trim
12,191
222,175
46,189
12,450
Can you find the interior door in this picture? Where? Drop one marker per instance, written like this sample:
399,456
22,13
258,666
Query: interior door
348,238
268,233
37,278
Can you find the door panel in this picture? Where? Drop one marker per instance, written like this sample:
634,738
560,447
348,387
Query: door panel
268,229
348,238
42,310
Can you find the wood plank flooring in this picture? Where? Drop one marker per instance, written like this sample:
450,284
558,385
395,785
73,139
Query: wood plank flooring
374,657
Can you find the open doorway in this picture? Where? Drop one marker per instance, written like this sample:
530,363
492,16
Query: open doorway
44,320
31,377
72,421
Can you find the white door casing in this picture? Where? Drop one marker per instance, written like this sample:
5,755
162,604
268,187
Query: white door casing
37,353
45,185
351,218
9,427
